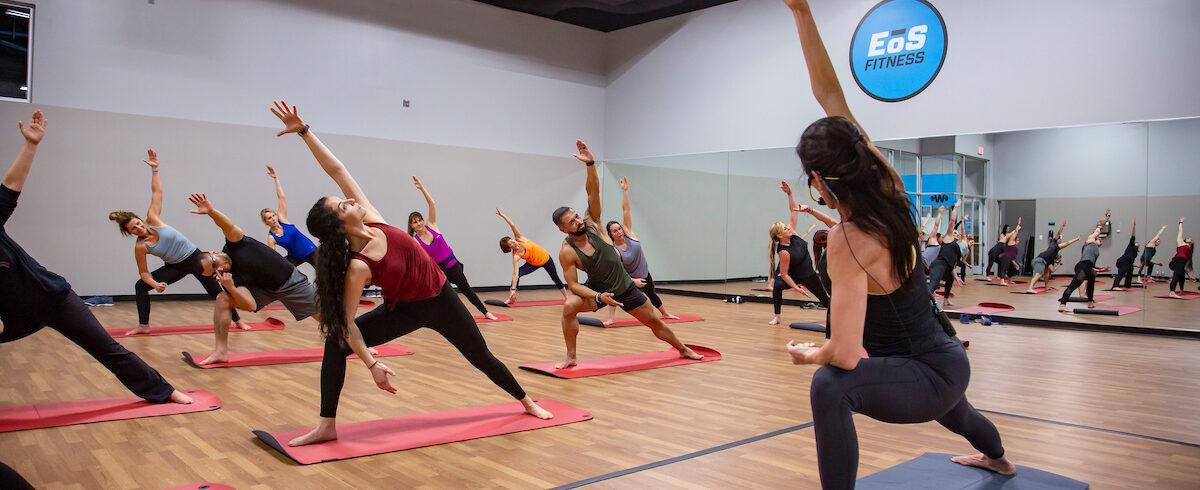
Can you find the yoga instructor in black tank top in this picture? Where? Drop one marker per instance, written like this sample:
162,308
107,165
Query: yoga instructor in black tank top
916,371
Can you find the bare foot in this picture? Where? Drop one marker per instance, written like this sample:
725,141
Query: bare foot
180,398
214,358
1062,307
774,321
491,316
141,329
242,325
566,363
320,434
532,408
608,322
1174,295
1091,305
1001,466
690,354
947,302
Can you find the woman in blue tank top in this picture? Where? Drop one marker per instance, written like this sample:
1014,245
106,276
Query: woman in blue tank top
917,370
179,255
300,248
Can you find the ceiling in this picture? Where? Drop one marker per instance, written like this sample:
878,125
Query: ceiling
605,15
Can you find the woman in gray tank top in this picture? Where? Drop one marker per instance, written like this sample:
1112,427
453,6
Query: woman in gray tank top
180,256
632,256
1085,269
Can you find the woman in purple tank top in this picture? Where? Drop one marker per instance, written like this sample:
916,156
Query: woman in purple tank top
435,245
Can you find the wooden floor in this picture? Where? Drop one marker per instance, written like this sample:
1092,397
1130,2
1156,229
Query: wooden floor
1115,410
1159,313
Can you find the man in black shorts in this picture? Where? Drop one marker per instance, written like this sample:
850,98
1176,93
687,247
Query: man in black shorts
253,275
588,249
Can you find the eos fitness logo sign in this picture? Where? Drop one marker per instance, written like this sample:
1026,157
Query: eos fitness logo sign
898,49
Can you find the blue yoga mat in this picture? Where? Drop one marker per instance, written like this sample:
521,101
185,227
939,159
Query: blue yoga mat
935,470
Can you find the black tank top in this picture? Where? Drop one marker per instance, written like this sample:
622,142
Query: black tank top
799,260
899,324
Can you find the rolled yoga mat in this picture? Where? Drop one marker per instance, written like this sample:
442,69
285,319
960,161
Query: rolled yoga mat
522,304
413,431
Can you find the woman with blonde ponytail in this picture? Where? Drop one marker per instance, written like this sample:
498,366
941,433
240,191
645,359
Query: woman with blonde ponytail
795,262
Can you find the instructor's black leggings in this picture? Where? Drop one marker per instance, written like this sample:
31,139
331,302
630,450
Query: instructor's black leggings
811,282
443,313
456,276
1124,271
527,269
896,390
1084,271
941,271
72,319
1179,269
170,274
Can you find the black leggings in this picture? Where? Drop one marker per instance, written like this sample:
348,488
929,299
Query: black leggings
1005,264
811,282
456,276
648,290
443,313
938,272
962,270
72,319
527,269
170,274
1179,268
993,258
310,260
1124,271
896,390
1084,271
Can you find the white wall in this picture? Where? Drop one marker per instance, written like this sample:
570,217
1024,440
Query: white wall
732,77
478,76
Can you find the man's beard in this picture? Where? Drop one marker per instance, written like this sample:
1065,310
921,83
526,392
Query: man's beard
581,232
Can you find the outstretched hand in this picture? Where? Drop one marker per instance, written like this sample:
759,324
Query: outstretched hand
271,172
203,206
417,183
36,130
624,183
380,373
584,154
289,116
785,187
802,208
151,158
499,213
800,351
607,298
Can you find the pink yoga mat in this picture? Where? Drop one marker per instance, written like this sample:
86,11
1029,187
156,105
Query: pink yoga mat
413,431
293,356
623,363
985,309
544,302
59,414
484,319
1036,290
203,486
268,324
633,322
1185,295
362,303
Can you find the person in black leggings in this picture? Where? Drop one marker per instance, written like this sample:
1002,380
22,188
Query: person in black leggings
358,248
917,372
1085,269
996,250
1181,263
435,244
942,269
1125,262
1146,262
633,258
32,297
795,262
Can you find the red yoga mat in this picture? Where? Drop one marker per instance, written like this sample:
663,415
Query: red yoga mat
1185,295
623,363
501,318
268,324
544,302
292,356
1036,290
413,431
203,486
985,309
362,303
634,322
59,414
1011,281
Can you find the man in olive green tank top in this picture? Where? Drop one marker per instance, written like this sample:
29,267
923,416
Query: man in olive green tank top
587,249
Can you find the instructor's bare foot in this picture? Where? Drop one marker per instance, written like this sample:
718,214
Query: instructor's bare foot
774,321
215,357
320,434
180,398
690,354
566,363
242,325
532,408
491,316
142,329
1001,466
1175,295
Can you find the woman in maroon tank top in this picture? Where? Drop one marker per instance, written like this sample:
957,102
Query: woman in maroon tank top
358,248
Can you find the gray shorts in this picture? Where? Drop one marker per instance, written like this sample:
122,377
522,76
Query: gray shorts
297,294
1039,265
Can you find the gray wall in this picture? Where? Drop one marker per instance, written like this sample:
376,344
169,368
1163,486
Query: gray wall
90,163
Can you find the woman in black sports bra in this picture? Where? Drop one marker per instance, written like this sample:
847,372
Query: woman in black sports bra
916,371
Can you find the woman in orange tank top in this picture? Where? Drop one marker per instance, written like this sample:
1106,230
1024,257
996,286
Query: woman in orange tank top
534,255
358,248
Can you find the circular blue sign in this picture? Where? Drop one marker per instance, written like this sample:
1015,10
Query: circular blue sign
898,49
